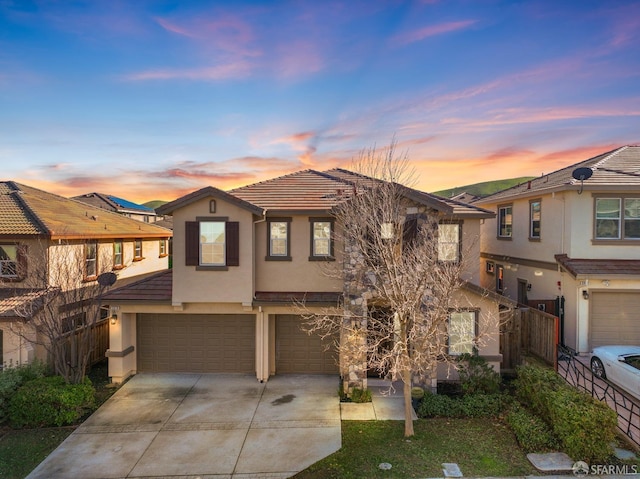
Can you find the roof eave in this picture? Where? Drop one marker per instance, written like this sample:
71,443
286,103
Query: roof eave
207,192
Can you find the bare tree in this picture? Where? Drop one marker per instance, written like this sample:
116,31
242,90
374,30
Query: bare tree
66,282
402,272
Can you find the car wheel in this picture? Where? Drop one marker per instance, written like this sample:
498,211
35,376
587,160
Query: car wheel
597,368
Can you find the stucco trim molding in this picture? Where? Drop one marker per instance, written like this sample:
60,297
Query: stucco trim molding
119,354
522,261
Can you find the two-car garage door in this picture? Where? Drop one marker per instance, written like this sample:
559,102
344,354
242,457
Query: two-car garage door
615,318
200,343
217,343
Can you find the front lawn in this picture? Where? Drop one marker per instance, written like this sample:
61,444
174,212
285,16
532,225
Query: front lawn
481,447
22,450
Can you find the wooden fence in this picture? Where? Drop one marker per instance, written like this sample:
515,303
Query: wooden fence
578,374
528,331
100,332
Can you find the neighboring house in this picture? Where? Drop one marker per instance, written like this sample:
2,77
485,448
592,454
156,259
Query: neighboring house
241,259
572,247
39,231
465,197
118,205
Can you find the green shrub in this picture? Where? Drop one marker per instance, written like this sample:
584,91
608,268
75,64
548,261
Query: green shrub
477,376
49,401
360,395
532,433
584,426
14,377
472,405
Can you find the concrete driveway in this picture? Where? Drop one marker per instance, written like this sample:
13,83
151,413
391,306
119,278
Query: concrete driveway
204,425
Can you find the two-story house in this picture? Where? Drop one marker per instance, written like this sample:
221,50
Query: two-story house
40,234
569,242
119,205
242,259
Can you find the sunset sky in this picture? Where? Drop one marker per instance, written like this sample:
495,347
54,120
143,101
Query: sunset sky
152,99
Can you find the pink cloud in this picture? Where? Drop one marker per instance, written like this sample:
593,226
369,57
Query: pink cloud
430,31
240,69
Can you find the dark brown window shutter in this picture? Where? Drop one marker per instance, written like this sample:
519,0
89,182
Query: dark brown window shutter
409,231
22,251
192,243
232,233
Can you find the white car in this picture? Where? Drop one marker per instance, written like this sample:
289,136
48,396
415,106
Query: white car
618,364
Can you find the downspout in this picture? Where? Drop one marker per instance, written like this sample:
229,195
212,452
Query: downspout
262,326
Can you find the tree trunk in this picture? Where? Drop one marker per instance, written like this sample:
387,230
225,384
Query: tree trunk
408,408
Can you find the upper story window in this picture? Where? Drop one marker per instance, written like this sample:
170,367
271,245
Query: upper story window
617,218
505,221
163,248
8,261
137,250
535,215
449,242
118,256
212,243
462,332
91,260
321,239
279,239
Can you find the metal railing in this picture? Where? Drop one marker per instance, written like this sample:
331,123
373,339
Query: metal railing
579,375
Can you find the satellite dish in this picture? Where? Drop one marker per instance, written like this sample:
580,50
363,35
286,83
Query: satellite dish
582,174
107,279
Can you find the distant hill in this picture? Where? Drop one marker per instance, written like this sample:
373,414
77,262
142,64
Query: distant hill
154,204
484,189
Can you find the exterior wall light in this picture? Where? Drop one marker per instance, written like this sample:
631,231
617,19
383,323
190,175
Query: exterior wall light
114,319
585,294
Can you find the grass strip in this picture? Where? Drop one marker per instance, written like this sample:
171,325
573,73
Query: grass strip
481,447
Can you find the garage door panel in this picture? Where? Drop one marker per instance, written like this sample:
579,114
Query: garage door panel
300,353
614,318
196,343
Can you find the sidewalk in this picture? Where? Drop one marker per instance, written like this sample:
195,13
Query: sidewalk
386,404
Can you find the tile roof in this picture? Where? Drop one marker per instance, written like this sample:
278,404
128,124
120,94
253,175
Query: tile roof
207,192
15,302
29,211
610,267
311,190
304,190
619,168
157,287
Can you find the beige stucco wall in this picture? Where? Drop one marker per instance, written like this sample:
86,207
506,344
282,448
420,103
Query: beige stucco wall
16,350
233,285
299,274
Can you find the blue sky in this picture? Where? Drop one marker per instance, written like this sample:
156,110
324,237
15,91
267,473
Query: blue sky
154,99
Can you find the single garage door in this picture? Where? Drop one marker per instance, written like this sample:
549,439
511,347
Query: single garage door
199,343
615,318
300,353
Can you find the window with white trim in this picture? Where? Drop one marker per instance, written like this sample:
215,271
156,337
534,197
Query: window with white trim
617,218
449,242
462,332
91,260
8,261
118,258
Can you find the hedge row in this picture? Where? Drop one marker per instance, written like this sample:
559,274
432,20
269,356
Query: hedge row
584,426
470,405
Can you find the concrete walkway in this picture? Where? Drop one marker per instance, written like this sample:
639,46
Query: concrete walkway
387,403
209,426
